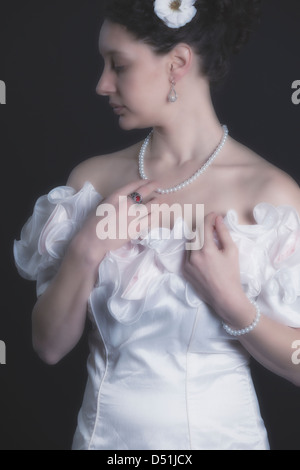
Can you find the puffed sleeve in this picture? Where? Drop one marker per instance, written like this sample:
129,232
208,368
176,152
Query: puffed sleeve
270,260
56,218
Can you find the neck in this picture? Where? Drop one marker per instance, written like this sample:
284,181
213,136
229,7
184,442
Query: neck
191,130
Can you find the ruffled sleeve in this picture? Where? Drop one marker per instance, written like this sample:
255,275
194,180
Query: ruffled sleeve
56,218
270,260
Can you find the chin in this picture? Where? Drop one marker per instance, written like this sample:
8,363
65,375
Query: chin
125,125
128,124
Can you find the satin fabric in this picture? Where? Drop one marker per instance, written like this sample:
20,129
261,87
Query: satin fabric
162,372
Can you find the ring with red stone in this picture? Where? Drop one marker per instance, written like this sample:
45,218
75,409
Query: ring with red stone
136,197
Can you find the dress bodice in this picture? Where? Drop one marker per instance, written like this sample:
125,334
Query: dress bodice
163,373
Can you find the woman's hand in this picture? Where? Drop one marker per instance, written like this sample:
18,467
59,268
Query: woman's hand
60,313
214,271
108,227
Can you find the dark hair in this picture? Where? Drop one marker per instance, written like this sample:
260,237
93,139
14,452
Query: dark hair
219,29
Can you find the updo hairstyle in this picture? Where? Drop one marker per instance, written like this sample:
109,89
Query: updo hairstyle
219,29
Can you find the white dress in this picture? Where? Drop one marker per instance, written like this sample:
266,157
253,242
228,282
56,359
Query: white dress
162,372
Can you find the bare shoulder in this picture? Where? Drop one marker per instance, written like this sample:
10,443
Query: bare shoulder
277,187
264,181
106,172
280,189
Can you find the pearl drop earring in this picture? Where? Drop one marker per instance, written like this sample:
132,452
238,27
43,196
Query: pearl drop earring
172,97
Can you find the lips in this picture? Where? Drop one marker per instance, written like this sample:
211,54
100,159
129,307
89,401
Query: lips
117,108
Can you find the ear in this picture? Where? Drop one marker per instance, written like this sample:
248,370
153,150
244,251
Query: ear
181,58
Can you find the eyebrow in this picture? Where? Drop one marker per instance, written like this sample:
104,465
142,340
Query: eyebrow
110,51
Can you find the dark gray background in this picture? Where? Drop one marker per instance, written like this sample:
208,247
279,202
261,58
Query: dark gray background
53,119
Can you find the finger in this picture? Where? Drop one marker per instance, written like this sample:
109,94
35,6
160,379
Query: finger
137,186
223,233
146,226
152,205
142,192
187,258
150,219
209,228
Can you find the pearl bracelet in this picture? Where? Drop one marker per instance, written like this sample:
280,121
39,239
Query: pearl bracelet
248,329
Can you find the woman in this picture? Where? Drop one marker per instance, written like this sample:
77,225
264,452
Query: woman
172,328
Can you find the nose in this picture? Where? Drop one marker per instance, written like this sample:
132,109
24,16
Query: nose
106,85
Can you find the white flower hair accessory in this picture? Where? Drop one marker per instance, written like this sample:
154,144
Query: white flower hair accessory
175,13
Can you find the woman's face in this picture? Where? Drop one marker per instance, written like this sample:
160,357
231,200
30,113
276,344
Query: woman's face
136,80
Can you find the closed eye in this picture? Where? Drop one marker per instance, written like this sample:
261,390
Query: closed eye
118,68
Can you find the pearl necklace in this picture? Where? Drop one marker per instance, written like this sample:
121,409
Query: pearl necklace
188,181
